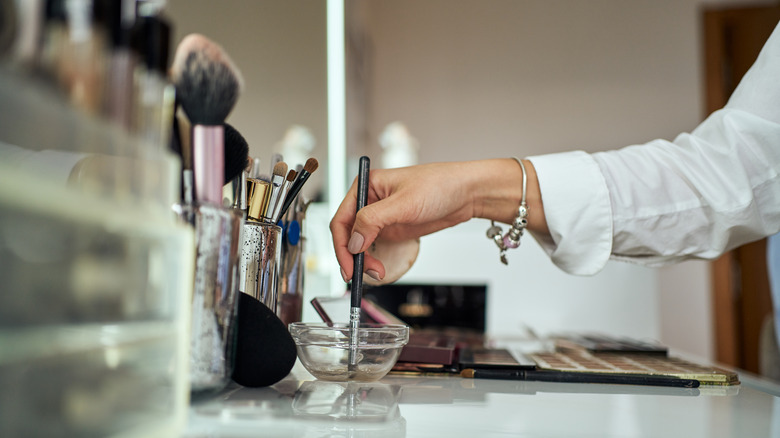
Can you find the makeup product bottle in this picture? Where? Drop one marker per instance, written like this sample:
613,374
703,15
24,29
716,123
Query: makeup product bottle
115,18
81,64
154,94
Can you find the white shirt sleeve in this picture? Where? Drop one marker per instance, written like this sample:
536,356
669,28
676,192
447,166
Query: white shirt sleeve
698,196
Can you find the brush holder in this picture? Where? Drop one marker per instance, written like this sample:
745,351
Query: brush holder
293,263
261,251
291,281
215,291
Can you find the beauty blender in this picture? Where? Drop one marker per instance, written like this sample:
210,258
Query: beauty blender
265,351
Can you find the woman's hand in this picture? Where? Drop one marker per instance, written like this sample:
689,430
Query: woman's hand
411,202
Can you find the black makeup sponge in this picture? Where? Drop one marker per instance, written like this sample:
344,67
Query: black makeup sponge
265,351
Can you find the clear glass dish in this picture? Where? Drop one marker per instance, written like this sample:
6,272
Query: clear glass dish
324,349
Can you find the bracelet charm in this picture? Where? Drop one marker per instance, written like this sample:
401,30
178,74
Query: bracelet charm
512,238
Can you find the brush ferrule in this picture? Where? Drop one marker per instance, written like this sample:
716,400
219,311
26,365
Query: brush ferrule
354,338
208,162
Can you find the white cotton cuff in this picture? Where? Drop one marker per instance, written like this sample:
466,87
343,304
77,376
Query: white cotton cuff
578,211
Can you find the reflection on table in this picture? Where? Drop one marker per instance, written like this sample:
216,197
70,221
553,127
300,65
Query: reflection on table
401,406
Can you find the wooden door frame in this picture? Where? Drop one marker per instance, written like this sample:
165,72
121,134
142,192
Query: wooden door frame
740,286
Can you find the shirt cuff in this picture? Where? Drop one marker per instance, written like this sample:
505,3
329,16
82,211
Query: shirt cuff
578,211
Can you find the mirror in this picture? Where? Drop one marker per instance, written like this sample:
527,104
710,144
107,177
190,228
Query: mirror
280,48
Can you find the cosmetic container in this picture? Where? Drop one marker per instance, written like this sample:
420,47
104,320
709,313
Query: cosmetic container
261,249
324,349
214,294
290,301
95,276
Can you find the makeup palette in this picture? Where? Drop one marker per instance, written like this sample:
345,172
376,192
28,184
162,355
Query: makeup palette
632,364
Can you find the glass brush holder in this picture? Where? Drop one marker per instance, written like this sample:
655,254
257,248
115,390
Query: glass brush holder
214,295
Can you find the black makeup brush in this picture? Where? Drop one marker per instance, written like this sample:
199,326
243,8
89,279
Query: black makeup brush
207,85
356,290
265,351
308,168
236,153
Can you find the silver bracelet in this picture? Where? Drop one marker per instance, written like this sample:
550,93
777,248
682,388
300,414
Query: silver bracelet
512,238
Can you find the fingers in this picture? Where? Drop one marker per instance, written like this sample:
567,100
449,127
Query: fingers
371,220
371,265
353,234
341,229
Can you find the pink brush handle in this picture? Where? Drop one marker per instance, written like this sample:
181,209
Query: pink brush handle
208,162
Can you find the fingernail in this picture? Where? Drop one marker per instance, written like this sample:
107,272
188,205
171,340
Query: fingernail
344,275
373,274
355,243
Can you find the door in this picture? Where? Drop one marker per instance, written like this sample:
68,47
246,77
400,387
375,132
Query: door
733,38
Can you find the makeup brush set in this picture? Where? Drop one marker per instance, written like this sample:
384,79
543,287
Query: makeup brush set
244,240
274,200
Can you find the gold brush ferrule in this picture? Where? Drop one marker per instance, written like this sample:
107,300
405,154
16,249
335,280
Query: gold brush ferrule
258,193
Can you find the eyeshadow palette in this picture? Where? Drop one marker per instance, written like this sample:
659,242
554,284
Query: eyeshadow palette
494,358
633,363
601,343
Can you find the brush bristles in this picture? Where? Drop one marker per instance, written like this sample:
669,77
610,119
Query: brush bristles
207,83
291,175
311,165
280,169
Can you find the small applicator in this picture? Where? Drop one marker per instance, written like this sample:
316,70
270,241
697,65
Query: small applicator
357,273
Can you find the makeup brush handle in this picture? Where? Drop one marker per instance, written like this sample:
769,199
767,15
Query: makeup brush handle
362,188
208,162
362,200
357,280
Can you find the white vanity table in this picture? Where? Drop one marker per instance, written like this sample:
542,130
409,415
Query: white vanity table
403,406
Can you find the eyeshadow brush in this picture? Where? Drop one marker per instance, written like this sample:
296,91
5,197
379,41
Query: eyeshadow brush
283,194
277,183
308,168
357,273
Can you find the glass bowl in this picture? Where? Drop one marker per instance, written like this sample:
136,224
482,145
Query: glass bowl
324,349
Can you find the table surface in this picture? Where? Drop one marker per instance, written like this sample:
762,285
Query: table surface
420,406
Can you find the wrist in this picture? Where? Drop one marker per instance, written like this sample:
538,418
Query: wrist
499,190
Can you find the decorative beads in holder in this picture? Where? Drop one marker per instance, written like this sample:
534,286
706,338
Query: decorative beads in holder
512,238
